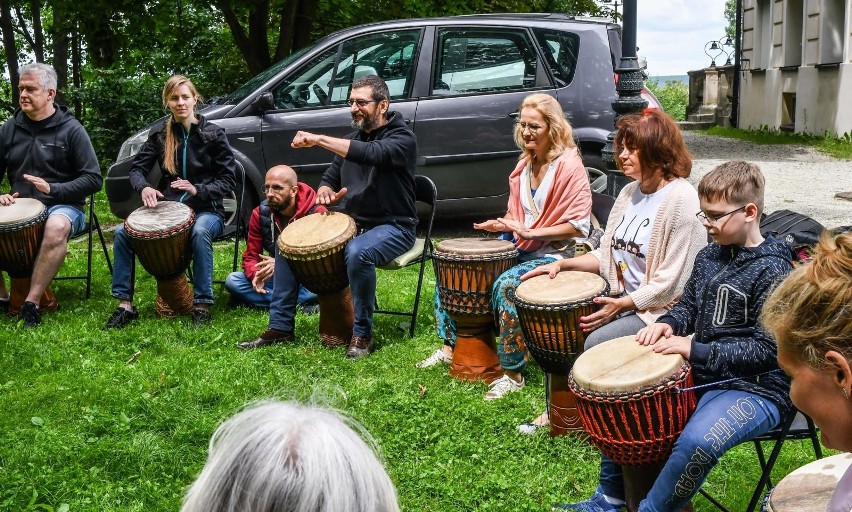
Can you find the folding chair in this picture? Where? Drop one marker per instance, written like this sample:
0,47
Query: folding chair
92,224
796,426
425,192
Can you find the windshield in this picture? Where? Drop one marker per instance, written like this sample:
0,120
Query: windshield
261,78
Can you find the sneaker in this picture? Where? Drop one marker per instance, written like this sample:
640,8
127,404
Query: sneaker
29,314
201,316
597,503
503,386
530,428
437,357
121,317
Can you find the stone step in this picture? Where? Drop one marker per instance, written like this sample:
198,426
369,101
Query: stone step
701,118
696,125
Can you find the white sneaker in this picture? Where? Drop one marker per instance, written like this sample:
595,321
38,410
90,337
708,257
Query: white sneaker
503,386
437,357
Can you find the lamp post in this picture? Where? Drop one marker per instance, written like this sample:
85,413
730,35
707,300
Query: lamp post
631,81
738,49
716,48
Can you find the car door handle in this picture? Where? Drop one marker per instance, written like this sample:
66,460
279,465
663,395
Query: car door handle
514,115
407,120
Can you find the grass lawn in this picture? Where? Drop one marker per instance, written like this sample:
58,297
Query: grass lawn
100,420
837,147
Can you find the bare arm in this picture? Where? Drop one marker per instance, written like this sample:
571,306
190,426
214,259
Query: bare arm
557,232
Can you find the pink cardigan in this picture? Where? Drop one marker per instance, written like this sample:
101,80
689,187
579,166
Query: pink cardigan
569,197
676,238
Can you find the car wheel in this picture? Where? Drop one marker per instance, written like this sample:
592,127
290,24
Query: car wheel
231,201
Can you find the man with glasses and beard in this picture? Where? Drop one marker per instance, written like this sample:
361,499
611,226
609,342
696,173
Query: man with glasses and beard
372,177
266,282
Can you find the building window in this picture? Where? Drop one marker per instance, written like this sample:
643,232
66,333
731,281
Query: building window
762,34
831,32
793,19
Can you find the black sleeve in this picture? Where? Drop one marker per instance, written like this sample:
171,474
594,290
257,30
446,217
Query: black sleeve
85,162
224,169
144,161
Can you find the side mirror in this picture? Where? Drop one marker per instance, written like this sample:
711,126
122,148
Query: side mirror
263,102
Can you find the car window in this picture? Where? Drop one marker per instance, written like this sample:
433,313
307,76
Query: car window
560,50
327,78
483,60
259,79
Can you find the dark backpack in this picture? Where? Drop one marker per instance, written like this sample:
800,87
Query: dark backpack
798,231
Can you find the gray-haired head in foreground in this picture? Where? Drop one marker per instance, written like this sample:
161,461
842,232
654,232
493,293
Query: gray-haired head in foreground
282,457
46,74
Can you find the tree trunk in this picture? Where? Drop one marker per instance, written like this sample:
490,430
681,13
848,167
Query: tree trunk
38,30
285,30
243,42
60,52
304,23
8,29
76,62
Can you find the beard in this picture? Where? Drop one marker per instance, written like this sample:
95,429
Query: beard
364,122
281,205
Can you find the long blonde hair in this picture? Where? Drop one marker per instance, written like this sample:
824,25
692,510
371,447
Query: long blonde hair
810,312
560,131
170,147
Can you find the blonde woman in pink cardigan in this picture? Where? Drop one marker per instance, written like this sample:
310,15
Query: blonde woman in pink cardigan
652,235
550,202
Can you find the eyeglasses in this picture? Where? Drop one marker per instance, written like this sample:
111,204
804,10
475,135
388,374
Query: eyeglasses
710,219
533,128
274,188
360,102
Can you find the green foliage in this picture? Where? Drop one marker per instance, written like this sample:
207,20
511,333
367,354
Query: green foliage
674,96
98,420
838,147
731,17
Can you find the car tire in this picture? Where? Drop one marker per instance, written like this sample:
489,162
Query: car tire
249,201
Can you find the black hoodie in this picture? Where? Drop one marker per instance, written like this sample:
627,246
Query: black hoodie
60,152
721,304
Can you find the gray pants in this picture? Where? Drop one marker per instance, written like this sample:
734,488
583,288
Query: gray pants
624,326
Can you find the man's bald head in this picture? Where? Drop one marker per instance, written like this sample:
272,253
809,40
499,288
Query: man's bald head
282,174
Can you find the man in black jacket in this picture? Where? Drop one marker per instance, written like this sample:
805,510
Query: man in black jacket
46,154
372,175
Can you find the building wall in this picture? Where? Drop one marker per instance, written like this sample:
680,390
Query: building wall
797,65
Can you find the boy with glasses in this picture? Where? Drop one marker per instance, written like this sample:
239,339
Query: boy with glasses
745,393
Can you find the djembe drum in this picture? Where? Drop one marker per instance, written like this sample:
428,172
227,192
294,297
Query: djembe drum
314,247
160,237
21,230
634,403
549,312
810,487
465,271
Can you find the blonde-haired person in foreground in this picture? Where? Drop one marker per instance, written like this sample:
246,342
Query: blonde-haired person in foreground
810,315
285,456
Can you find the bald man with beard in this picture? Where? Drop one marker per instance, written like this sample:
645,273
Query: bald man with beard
286,200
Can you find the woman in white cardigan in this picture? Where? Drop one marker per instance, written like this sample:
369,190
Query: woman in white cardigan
652,235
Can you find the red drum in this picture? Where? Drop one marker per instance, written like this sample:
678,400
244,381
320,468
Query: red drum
160,237
465,271
21,230
810,487
314,247
632,405
549,312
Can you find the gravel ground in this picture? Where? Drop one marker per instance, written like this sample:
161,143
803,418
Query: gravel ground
798,178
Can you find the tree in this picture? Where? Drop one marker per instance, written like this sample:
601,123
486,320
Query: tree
731,16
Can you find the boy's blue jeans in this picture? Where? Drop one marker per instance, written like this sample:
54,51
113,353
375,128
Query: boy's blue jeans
722,420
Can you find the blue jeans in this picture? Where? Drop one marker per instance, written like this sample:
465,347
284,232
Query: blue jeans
371,249
207,227
243,292
723,419
511,348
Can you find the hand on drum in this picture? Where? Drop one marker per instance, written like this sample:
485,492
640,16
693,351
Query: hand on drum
674,345
551,269
652,333
610,308
39,183
326,196
265,269
150,196
492,226
185,186
8,199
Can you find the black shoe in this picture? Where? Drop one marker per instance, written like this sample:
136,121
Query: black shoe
121,317
29,314
269,337
359,347
309,308
201,316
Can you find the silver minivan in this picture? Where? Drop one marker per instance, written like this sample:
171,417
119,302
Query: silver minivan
457,81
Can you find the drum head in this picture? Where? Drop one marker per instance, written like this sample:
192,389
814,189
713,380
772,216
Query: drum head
475,246
569,286
23,210
810,487
316,233
164,217
623,365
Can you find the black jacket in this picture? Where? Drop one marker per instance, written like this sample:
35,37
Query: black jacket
721,304
60,152
378,172
210,165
